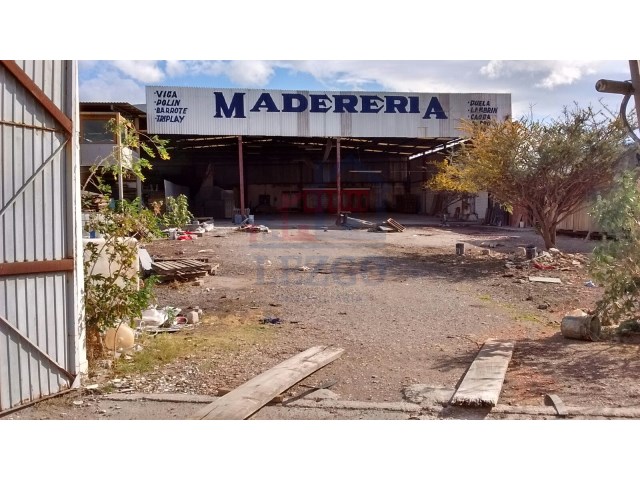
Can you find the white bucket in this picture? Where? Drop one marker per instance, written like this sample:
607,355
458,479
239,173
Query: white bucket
581,327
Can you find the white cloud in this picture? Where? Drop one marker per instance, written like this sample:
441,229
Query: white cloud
205,67
176,68
110,86
545,74
146,71
409,76
254,73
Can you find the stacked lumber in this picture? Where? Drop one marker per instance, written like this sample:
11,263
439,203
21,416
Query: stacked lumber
182,269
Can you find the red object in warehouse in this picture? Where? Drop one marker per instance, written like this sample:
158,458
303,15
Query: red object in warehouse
325,200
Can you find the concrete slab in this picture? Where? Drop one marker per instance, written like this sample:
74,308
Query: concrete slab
428,394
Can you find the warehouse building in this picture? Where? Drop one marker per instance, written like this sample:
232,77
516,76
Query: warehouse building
271,151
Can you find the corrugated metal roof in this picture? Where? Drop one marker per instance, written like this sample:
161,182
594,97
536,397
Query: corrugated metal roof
124,108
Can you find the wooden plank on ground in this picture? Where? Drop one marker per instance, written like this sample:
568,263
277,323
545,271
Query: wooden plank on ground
158,266
205,260
194,263
545,279
396,225
557,403
257,392
482,383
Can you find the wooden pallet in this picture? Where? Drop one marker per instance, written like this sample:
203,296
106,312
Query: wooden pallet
183,268
396,225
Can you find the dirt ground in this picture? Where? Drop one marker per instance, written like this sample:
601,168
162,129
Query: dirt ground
406,309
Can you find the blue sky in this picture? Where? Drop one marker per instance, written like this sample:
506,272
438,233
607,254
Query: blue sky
538,87
462,46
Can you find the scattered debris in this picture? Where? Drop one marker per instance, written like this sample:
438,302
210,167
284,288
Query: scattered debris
541,266
545,279
304,268
590,284
271,321
254,229
396,225
351,222
198,283
145,260
193,318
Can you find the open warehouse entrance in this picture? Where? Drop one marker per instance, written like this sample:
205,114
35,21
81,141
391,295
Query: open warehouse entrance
269,151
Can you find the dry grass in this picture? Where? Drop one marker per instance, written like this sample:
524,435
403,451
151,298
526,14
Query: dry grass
214,336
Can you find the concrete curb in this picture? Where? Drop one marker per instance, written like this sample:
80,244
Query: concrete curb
405,407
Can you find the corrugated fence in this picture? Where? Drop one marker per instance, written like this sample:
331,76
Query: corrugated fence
41,351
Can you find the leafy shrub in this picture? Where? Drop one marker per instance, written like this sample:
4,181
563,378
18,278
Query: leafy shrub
616,263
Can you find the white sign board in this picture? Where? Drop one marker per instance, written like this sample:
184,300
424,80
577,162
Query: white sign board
220,111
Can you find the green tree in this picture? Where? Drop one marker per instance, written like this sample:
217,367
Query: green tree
546,168
616,260
177,212
117,294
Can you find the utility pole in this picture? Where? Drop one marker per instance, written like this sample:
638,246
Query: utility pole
634,68
628,89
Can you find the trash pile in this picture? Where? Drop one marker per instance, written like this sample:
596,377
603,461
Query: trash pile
554,259
190,231
388,226
122,339
156,320
253,228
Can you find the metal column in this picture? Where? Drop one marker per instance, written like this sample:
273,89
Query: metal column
338,179
241,170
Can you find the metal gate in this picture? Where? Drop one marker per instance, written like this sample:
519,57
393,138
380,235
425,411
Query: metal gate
41,338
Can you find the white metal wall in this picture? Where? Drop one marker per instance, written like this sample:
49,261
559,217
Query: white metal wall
41,315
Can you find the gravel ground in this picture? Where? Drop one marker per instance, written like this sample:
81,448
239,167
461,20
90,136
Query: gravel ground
404,307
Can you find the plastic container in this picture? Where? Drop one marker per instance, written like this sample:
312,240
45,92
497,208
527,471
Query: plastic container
104,266
120,338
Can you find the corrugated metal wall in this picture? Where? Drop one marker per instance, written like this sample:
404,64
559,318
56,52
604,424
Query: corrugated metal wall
39,226
192,111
